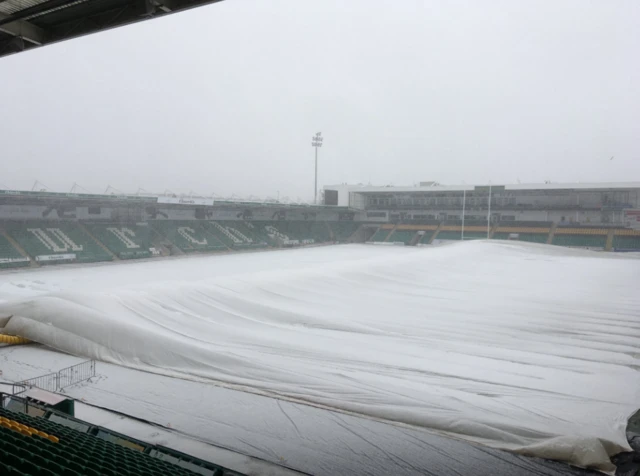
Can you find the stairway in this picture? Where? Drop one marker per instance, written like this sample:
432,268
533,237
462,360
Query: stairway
353,238
435,233
332,236
551,233
162,243
493,229
609,244
417,237
391,233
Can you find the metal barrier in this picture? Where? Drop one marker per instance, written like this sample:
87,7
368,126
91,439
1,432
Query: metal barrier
76,374
59,380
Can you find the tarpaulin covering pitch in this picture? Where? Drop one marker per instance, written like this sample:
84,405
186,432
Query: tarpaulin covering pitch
529,348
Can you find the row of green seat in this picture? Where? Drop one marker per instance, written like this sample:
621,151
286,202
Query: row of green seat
57,238
129,241
189,236
125,241
457,235
622,242
10,257
77,453
380,235
343,230
530,237
305,231
403,236
234,235
594,241
426,238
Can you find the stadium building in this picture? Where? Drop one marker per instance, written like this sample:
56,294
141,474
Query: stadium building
597,216
39,228
237,361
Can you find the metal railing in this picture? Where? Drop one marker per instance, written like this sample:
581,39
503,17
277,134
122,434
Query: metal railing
76,374
60,380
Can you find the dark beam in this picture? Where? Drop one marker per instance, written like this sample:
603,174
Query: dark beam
22,29
35,10
90,16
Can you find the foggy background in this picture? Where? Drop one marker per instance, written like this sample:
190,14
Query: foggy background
225,98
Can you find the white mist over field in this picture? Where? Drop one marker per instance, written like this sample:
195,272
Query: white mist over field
530,348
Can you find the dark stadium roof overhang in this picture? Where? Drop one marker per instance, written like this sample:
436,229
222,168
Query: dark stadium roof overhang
27,24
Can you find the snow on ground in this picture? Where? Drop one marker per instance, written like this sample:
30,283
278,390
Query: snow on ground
529,348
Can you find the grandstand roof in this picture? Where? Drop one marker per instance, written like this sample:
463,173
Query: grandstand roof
34,197
27,24
459,188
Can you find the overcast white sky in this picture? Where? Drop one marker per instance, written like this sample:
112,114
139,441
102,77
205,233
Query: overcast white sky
225,98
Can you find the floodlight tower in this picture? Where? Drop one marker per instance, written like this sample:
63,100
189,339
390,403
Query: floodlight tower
316,141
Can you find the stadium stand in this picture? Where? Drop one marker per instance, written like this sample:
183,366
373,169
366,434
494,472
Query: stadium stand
454,232
274,231
457,235
320,231
467,224
429,228
54,444
297,230
56,242
626,240
189,236
342,230
532,232
581,237
475,235
526,224
231,235
292,232
10,257
253,230
306,232
426,238
404,236
125,241
380,235
522,236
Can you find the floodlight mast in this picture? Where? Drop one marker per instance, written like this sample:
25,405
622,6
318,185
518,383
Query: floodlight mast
316,142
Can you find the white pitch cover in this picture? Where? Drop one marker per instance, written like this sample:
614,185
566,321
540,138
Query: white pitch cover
525,347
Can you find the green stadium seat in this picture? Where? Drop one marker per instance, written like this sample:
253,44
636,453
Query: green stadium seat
626,242
342,230
235,234
320,231
300,231
529,237
583,241
189,236
457,235
277,232
306,231
57,239
380,235
404,236
77,453
125,241
426,238
10,257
